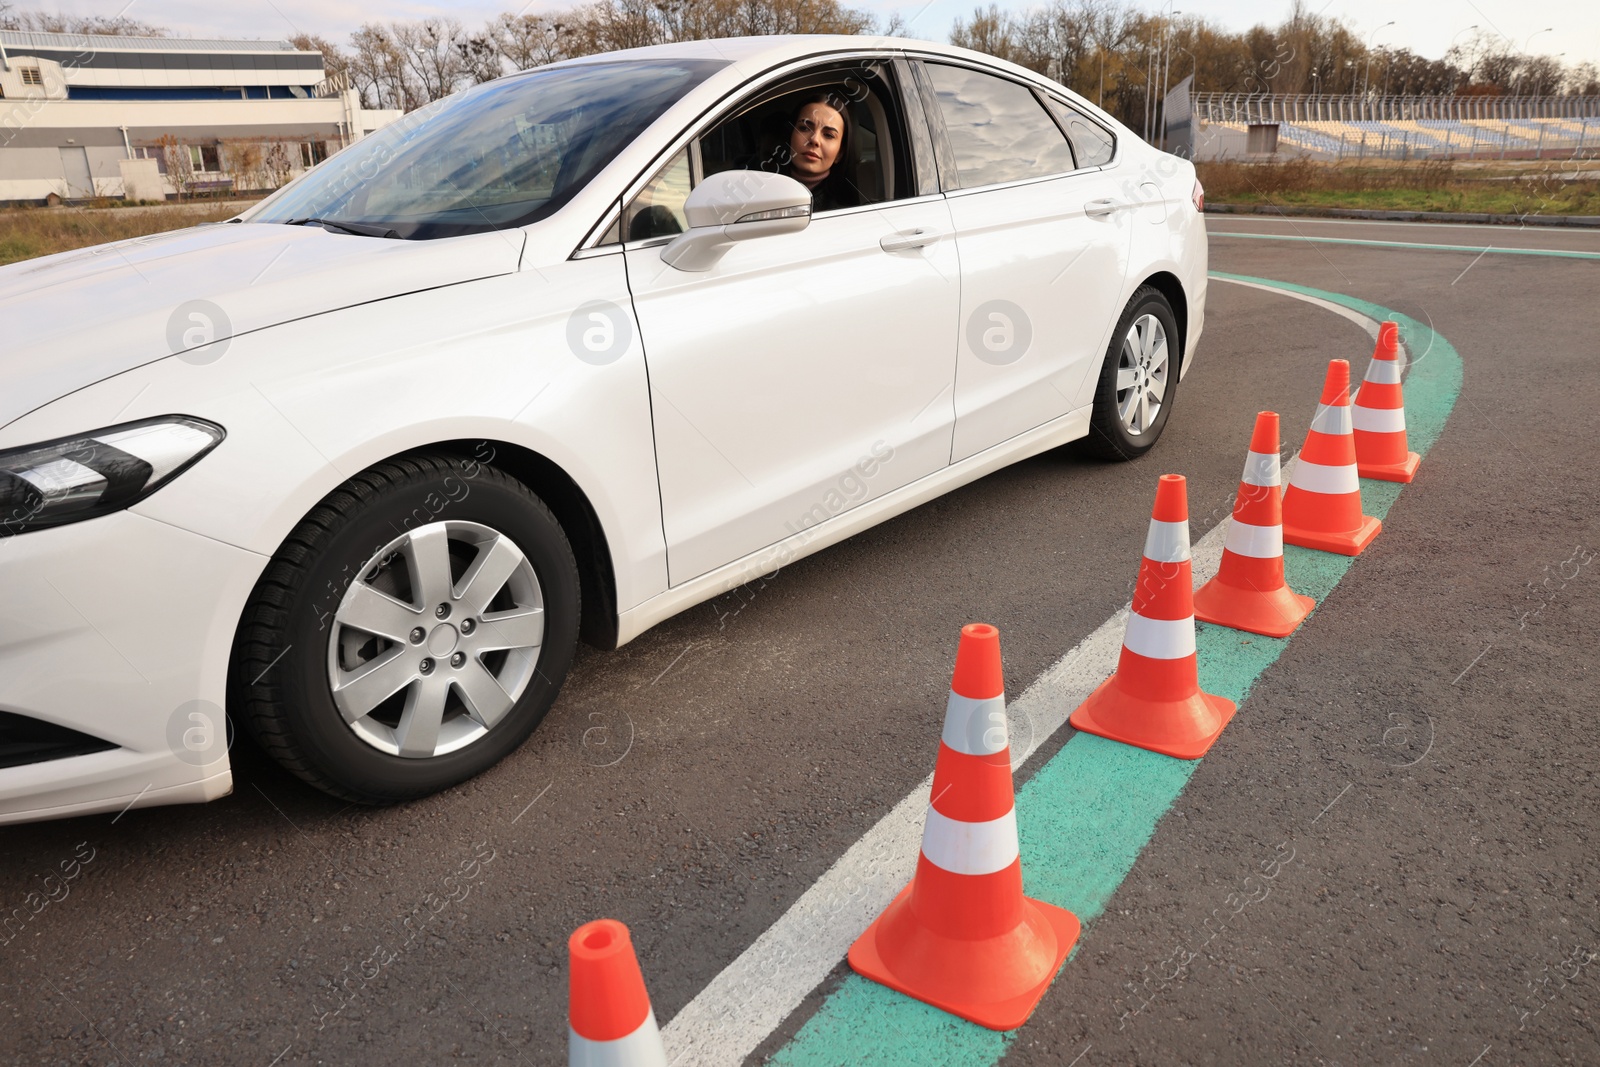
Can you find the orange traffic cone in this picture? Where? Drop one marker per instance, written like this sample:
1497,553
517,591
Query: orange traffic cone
1249,592
1154,700
961,936
1380,415
1322,506
609,1018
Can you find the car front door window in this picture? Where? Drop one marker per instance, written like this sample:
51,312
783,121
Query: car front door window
875,164
658,209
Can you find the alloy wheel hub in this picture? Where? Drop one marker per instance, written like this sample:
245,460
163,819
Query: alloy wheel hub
413,686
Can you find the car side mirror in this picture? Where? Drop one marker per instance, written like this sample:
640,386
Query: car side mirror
736,205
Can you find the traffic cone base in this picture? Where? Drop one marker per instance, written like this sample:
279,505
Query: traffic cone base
1403,471
995,982
1273,613
1183,729
1343,542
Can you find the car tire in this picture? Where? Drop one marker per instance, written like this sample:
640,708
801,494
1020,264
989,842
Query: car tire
1115,432
410,531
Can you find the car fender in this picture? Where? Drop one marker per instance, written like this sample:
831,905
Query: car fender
546,360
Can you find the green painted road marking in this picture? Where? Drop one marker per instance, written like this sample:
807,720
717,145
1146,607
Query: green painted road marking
1085,816
1558,252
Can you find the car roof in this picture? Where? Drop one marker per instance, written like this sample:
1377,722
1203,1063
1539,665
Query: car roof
766,50
748,55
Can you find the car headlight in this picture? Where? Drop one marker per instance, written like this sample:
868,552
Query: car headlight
80,477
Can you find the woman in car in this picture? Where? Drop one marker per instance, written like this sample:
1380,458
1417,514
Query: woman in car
819,151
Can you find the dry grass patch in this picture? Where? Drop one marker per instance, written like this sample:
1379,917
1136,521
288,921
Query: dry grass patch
29,232
1432,185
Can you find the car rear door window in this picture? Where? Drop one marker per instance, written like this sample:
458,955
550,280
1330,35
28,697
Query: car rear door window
997,128
1093,143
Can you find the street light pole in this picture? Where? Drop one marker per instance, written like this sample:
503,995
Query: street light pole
1452,48
1366,86
1518,83
1194,65
1166,70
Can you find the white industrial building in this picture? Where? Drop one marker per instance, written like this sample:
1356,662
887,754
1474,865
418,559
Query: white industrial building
153,117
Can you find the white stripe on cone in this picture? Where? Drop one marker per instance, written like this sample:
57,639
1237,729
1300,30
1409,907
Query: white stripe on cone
975,727
642,1048
1331,419
1383,372
1381,420
1159,638
970,847
1167,542
1261,468
1258,542
1320,478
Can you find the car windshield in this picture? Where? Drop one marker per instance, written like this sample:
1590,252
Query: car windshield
503,154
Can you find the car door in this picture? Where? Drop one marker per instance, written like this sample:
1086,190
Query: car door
803,374
1044,249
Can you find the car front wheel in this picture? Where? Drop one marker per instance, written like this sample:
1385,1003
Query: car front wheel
412,631
1138,381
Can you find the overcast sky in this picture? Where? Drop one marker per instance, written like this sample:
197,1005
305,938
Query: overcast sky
1425,26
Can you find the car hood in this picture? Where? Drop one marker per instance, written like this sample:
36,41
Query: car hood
76,318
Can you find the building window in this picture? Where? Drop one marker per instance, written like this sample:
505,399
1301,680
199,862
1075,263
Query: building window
31,76
203,159
155,152
312,153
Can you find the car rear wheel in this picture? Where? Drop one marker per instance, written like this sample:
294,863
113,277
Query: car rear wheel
1138,381
411,632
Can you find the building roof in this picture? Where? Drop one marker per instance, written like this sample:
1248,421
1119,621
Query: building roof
95,42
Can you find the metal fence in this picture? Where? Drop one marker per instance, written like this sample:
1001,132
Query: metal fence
1356,128
1305,107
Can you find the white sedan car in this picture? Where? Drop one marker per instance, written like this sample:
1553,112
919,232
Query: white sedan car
558,356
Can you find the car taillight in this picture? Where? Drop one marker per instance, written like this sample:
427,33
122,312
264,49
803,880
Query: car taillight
1198,196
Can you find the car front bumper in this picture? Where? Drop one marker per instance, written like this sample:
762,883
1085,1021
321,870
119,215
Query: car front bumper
119,628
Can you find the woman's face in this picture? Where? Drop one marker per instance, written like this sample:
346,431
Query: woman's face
818,133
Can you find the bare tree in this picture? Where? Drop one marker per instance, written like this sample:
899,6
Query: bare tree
431,51
992,31
1583,80
526,41
1057,38
50,22
180,165
1116,53
480,58
335,63
380,71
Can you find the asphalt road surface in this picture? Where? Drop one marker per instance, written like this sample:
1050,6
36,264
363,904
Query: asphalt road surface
1417,770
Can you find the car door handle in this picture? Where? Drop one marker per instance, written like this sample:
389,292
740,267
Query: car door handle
1098,208
909,239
